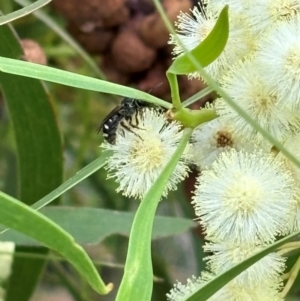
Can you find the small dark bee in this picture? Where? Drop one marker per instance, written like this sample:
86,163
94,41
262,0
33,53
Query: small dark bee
124,115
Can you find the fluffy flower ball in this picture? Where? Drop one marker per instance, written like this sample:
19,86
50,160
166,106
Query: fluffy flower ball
279,61
256,96
244,198
212,138
141,153
226,256
232,291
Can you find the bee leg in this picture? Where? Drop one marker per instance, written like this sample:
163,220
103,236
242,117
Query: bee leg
134,124
126,127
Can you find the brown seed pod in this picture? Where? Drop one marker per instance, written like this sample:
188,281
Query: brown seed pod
130,54
152,29
155,81
95,40
112,73
96,12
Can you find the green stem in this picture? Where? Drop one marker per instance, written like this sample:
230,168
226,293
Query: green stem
174,90
288,247
193,118
292,277
197,96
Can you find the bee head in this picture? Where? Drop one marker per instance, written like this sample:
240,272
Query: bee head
129,106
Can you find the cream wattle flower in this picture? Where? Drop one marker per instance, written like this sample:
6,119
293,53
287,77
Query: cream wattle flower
140,154
256,96
244,198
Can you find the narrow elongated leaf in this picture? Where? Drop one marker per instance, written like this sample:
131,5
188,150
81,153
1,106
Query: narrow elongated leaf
52,24
37,137
77,178
54,194
207,51
74,80
39,153
211,287
24,219
79,222
137,281
23,11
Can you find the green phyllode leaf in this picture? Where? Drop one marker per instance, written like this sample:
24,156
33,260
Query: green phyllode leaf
79,222
65,36
207,51
40,163
24,219
74,80
77,178
39,154
137,281
23,11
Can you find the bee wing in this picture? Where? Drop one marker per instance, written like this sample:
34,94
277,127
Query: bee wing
112,113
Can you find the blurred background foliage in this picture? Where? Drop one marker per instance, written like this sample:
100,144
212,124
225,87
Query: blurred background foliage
127,42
